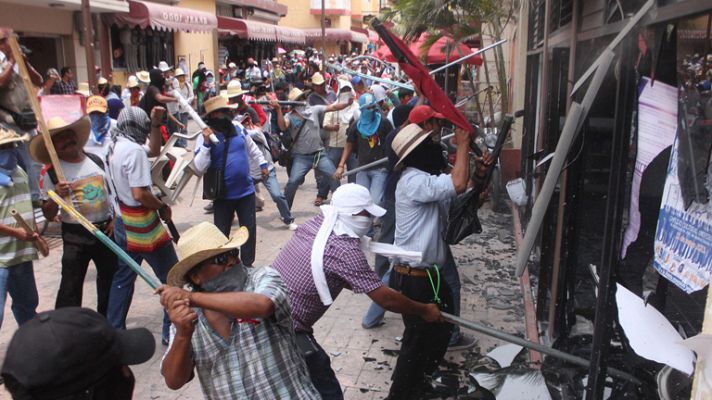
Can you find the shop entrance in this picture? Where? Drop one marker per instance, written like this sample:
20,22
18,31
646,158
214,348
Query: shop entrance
44,53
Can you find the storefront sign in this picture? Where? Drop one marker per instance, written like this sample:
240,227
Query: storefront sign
180,18
683,240
657,124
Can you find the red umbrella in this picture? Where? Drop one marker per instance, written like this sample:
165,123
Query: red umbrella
436,53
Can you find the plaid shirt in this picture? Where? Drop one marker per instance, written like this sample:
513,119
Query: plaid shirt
345,266
261,360
62,87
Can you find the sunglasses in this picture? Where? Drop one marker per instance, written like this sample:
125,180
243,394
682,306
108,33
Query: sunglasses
222,258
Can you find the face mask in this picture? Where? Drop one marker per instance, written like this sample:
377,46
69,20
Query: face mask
428,157
221,124
210,80
344,97
231,280
295,120
360,224
8,161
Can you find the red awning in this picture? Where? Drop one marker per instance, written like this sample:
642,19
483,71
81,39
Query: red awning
359,37
246,29
286,34
373,36
332,35
436,53
165,18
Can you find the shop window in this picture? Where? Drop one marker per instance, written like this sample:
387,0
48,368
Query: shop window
536,23
138,49
561,13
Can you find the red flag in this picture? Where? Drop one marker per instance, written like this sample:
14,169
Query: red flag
421,77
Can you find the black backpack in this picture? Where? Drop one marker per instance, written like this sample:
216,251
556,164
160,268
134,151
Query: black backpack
53,175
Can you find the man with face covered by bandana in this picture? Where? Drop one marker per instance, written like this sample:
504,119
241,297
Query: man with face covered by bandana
137,228
324,257
234,328
368,136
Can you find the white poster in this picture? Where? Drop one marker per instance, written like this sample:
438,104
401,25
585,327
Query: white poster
683,239
657,124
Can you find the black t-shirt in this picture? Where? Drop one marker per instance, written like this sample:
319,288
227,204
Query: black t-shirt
366,154
148,101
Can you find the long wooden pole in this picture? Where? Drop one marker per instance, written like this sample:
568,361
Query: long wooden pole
20,60
40,244
89,45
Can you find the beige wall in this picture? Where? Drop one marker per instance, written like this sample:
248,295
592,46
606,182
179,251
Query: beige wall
298,15
42,20
197,46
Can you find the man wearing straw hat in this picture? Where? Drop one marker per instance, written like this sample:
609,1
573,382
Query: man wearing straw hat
324,257
234,328
17,249
86,185
229,160
186,90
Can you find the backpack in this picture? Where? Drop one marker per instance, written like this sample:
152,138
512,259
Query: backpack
53,174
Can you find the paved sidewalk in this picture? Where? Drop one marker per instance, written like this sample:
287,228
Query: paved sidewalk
361,358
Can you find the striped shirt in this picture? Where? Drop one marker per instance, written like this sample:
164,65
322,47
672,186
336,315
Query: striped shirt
17,196
261,360
345,267
422,202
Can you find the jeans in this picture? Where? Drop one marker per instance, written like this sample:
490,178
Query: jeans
183,118
224,214
31,167
334,154
122,286
19,281
80,247
375,181
322,376
272,187
424,344
374,314
301,165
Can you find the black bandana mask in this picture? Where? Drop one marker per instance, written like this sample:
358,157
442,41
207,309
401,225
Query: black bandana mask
222,124
428,157
231,280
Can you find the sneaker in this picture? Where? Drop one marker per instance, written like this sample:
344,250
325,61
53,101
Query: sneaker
464,342
210,208
292,226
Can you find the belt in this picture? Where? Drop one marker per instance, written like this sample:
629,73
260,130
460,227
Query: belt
410,271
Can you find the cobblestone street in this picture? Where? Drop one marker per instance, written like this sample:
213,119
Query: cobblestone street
362,359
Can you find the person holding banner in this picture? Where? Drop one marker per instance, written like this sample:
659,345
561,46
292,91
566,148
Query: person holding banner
86,186
137,229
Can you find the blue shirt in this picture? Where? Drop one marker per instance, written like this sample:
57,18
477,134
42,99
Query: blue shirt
238,182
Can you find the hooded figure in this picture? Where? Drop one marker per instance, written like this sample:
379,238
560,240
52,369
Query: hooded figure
370,118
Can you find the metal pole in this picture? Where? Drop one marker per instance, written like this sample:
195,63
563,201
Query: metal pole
323,31
574,120
383,160
615,205
89,45
369,77
534,346
461,59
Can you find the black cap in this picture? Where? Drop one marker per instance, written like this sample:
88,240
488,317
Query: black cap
64,351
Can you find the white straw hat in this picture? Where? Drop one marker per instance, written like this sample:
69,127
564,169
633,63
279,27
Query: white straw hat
198,244
406,140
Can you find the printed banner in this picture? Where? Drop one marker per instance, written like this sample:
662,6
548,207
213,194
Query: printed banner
657,124
683,239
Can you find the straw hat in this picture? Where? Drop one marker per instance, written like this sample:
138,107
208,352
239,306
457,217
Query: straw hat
406,140
9,136
164,67
294,94
218,103
55,125
317,79
83,89
97,103
102,81
179,72
143,76
198,244
133,82
234,88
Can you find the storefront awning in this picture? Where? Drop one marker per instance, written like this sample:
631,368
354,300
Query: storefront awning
332,35
246,29
286,34
373,36
358,36
165,18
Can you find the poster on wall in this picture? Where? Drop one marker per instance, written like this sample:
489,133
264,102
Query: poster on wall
683,239
657,124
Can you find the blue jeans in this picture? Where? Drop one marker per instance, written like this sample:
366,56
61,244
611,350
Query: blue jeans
19,281
374,314
301,165
334,154
375,181
273,188
122,286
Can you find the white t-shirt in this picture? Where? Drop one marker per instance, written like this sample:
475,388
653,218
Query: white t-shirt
88,190
128,168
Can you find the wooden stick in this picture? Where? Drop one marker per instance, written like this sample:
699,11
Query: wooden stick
41,125
40,243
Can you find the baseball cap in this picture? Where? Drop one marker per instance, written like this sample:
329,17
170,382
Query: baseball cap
61,352
353,198
355,80
97,103
423,113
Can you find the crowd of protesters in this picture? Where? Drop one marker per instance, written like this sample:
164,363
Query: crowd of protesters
245,331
